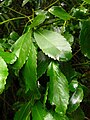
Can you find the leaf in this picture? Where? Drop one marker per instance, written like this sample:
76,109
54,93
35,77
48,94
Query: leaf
85,38
40,18
69,38
75,100
21,49
53,44
43,63
87,1
3,74
30,69
9,58
73,85
24,112
38,112
25,2
60,117
58,90
77,115
59,12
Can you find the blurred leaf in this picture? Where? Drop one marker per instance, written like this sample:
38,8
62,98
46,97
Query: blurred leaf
85,38
3,74
43,63
30,69
75,100
87,1
58,91
25,2
9,58
73,85
59,12
40,18
24,112
14,35
69,37
21,49
53,44
77,115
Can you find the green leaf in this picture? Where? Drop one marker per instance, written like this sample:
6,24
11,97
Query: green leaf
77,115
75,100
87,1
43,63
38,112
9,58
40,18
73,85
58,90
24,112
53,44
3,74
69,37
59,12
14,35
85,38
21,49
60,117
25,2
30,69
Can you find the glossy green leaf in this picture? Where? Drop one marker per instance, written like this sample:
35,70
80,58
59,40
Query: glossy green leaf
53,44
9,58
14,35
58,90
40,18
73,85
21,49
87,1
38,112
85,38
25,2
43,63
60,117
59,12
75,100
30,69
24,112
3,74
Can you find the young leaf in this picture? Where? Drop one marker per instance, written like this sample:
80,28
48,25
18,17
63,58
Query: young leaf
58,91
59,12
3,74
53,44
75,100
9,58
24,112
40,18
85,38
29,70
21,49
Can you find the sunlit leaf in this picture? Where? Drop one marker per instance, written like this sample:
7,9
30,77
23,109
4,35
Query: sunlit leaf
25,2
58,91
53,44
85,38
3,74
75,100
59,12
87,1
21,49
9,58
73,85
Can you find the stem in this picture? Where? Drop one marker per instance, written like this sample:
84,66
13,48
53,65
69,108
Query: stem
17,18
51,4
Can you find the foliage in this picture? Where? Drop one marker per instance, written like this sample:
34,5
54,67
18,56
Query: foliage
45,59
